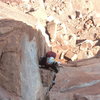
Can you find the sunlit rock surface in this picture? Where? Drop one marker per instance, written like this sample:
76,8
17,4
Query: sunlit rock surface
73,27
21,45
78,81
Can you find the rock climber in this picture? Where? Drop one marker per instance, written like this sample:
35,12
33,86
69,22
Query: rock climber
49,61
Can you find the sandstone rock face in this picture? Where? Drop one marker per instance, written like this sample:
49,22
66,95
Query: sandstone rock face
20,48
46,77
78,83
74,30
19,60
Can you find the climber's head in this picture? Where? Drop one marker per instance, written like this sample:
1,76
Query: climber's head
51,54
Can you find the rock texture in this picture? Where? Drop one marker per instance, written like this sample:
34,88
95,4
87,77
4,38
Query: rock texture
79,82
19,60
70,27
21,46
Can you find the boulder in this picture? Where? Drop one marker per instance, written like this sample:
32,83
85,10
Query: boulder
70,55
72,39
87,45
95,50
82,54
51,30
